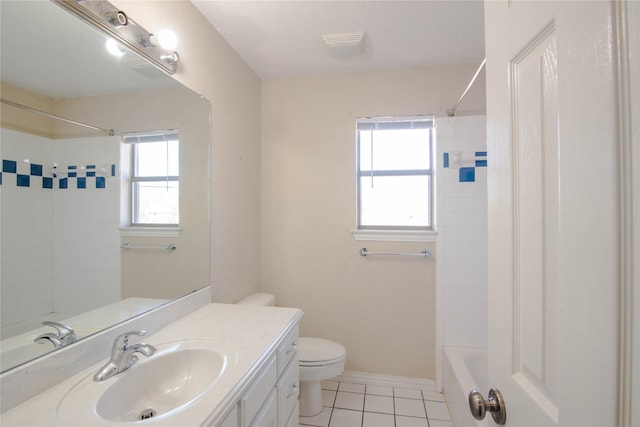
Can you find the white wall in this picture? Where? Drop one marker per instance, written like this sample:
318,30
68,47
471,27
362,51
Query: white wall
378,308
159,274
209,66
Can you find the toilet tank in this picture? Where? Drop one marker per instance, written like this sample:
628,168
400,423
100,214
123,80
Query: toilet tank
259,298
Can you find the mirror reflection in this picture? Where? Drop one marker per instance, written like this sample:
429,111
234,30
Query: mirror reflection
70,255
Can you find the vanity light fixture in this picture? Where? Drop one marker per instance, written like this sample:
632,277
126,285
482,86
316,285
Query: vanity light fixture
125,31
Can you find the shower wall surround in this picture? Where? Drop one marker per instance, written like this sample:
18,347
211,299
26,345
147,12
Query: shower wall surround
461,219
70,218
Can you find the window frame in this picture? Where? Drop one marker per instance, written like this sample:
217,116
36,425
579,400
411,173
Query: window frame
402,232
135,140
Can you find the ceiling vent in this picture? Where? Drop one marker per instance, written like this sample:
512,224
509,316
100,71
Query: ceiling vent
344,45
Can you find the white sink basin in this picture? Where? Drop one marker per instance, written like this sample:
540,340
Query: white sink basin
154,388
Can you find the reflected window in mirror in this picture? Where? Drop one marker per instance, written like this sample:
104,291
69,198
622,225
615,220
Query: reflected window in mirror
154,178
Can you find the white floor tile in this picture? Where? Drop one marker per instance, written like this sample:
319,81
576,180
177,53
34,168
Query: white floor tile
328,398
330,385
382,404
411,422
410,407
437,410
371,419
440,423
380,390
432,395
345,418
407,393
320,420
351,387
346,400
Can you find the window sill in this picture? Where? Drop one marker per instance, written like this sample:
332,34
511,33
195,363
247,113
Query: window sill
395,235
150,231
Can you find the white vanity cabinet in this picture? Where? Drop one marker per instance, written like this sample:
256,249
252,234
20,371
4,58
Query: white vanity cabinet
271,398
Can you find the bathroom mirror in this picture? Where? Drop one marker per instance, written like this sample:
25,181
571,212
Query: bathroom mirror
64,188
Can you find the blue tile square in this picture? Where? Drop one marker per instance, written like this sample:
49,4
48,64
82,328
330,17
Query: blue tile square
36,170
23,180
445,160
9,166
481,154
72,167
91,166
63,183
82,183
101,182
467,175
72,174
481,163
113,170
0,178
47,182
91,173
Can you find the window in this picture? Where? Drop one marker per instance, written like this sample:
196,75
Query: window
154,178
395,175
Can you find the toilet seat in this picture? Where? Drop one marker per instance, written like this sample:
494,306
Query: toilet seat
319,352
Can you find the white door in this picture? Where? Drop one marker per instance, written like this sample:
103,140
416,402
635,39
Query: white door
553,242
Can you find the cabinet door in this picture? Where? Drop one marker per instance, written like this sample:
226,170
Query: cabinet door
268,414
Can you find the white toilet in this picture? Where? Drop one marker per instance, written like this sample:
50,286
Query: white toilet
320,360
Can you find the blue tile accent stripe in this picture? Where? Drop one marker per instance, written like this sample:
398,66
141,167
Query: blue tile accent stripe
84,176
468,174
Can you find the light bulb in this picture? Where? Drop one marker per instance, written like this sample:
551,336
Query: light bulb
167,39
114,49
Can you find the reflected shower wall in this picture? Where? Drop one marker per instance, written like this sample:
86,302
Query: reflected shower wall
60,242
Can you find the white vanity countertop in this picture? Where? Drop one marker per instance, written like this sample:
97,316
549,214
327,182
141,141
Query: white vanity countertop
250,331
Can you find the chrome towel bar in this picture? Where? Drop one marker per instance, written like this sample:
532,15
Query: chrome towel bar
425,253
170,247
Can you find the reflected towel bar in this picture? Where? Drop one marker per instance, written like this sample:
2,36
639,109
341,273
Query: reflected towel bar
128,245
425,253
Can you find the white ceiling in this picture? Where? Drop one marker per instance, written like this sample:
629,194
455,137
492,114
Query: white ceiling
284,38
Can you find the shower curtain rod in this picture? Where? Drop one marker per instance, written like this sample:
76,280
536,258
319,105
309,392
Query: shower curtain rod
109,132
452,111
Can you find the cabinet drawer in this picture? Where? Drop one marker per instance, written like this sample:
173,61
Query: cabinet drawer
287,349
288,390
259,391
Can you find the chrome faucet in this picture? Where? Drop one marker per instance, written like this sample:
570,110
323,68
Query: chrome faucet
122,355
65,335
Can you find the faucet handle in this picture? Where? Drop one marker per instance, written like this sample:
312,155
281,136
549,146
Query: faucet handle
62,329
121,343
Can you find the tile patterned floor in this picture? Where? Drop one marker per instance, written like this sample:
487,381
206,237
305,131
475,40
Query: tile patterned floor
348,404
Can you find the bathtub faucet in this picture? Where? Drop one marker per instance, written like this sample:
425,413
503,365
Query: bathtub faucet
122,356
65,335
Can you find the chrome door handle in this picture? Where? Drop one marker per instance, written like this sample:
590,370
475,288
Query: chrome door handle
495,404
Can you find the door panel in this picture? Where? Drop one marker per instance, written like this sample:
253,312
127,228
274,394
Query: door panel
534,119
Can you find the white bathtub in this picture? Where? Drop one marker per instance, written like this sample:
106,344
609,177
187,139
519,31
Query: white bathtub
464,369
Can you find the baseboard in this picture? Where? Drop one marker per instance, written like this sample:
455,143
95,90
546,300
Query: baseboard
386,380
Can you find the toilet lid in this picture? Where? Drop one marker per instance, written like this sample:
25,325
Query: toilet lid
312,350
